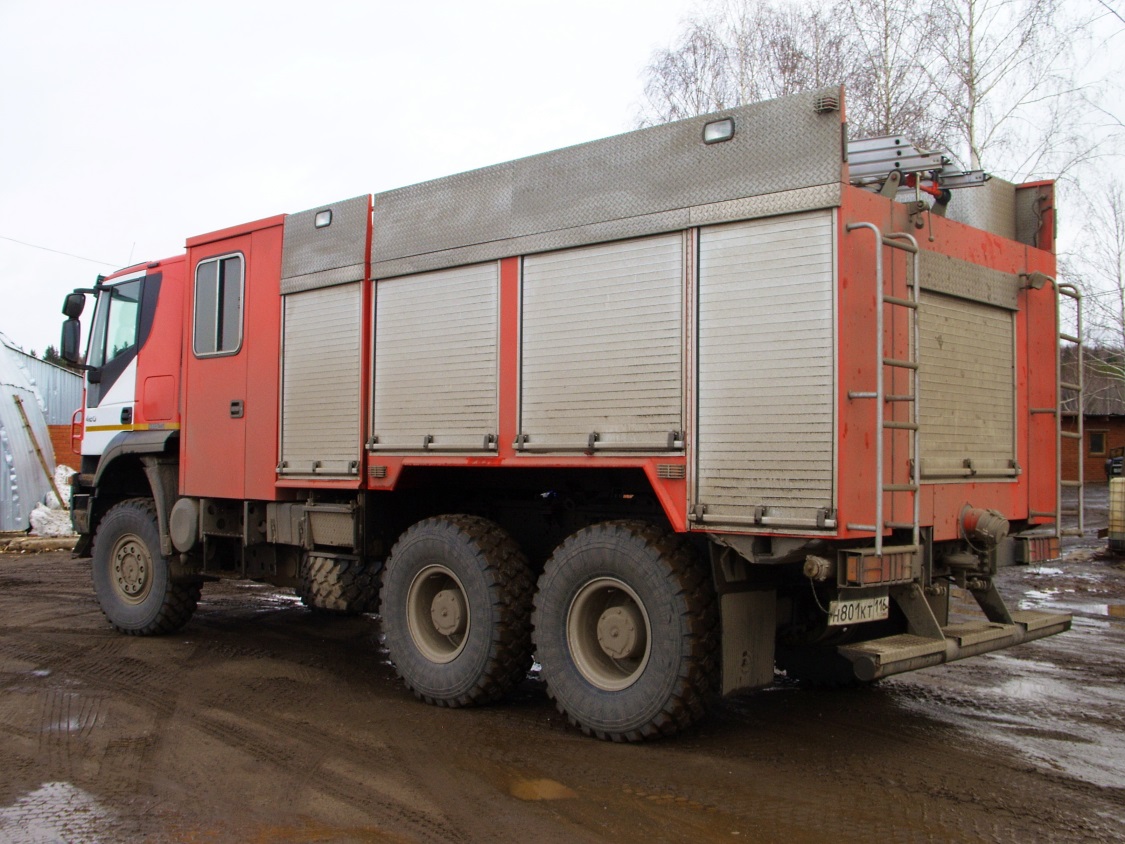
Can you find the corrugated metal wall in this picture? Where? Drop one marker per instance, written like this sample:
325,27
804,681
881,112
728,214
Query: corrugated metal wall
60,390
22,481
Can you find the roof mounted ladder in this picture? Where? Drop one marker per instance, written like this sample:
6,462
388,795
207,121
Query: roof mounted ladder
886,359
874,160
1074,389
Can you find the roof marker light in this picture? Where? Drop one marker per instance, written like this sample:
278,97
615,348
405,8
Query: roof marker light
323,218
718,130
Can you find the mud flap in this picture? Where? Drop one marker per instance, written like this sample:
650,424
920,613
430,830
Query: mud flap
749,622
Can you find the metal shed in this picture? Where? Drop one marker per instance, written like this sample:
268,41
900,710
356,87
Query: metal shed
23,483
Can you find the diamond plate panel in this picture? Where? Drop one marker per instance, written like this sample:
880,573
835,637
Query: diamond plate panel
786,202
313,258
990,207
954,277
779,145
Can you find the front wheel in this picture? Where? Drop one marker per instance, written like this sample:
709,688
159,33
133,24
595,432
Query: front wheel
132,579
625,628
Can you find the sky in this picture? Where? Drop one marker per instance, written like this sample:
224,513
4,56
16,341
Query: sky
128,127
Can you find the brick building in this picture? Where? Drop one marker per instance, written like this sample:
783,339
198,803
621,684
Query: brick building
1103,419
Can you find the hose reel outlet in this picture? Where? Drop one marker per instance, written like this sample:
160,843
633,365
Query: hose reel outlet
818,569
984,527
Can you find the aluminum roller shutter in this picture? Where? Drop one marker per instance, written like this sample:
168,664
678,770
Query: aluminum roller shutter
967,385
602,346
766,412
320,401
435,360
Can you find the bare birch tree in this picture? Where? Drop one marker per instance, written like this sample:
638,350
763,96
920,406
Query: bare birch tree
1098,267
1008,81
742,51
888,91
996,82
756,50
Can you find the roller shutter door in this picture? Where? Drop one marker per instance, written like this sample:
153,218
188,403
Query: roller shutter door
602,340
435,360
320,400
766,418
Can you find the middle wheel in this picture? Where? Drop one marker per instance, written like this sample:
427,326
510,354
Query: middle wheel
456,607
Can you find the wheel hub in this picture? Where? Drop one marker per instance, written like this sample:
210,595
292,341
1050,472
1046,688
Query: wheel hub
618,631
448,612
608,634
132,568
437,614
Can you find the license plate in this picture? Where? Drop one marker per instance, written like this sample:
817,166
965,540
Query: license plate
858,611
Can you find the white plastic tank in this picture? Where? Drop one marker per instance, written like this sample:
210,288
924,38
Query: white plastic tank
23,483
1117,515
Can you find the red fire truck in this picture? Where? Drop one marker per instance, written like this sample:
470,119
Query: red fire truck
666,411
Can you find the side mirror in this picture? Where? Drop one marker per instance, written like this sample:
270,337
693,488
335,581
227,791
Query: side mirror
73,305
71,337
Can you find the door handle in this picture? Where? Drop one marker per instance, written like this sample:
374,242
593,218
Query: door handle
236,409
126,416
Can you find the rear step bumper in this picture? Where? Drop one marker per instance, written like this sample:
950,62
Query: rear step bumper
906,652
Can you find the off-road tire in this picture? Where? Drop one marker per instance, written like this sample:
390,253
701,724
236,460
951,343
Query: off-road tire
132,579
672,589
479,559
338,585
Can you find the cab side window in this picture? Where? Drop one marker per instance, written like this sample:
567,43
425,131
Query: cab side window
115,328
219,289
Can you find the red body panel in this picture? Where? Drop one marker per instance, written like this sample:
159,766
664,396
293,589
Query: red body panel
235,458
222,456
672,494
159,369
1035,330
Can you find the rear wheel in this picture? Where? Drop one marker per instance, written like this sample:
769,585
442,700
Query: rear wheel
456,606
625,628
132,579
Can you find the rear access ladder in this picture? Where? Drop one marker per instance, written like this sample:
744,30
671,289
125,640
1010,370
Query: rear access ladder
886,359
1075,391
928,642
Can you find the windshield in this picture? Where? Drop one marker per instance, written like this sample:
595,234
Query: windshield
115,322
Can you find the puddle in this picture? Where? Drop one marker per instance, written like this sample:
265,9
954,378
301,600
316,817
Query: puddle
56,811
540,790
41,672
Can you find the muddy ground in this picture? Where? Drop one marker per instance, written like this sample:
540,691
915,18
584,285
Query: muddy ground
262,722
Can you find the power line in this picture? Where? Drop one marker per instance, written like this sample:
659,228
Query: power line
1112,10
59,252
